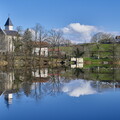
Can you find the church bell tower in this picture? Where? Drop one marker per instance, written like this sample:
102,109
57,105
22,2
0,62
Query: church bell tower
8,25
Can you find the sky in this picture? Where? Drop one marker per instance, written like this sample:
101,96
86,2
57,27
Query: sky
78,19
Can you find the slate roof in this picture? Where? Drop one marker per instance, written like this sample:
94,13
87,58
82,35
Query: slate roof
8,22
11,32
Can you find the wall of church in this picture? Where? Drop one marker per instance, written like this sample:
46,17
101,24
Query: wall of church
3,42
10,45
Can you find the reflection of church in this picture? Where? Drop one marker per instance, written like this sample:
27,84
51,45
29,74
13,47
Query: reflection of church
6,86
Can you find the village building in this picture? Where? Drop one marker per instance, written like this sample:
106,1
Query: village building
117,38
9,35
40,48
6,37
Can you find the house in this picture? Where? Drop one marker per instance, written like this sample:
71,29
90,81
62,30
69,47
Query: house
117,38
40,48
6,37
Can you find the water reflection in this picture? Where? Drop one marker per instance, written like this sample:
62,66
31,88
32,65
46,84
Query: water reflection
37,83
78,87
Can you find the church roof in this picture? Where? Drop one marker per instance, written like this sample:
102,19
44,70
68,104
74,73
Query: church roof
8,22
11,32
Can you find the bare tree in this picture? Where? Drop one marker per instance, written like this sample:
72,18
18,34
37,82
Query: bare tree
66,42
40,36
19,29
54,39
102,38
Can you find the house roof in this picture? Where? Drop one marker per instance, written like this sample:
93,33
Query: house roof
11,32
40,79
8,22
37,43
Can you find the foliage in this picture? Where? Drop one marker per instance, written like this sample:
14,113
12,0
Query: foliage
27,38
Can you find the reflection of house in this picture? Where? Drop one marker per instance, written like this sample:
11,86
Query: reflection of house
7,36
40,75
78,65
40,48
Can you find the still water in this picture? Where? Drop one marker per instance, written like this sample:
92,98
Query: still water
60,94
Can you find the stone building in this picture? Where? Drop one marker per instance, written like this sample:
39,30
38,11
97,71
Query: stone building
7,36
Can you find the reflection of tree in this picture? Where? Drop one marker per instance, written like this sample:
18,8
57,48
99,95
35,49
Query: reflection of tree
55,85
27,88
78,72
25,83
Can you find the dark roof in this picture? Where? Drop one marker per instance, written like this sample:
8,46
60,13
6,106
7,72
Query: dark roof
8,22
11,32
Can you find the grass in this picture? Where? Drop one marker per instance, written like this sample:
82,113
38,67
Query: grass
97,60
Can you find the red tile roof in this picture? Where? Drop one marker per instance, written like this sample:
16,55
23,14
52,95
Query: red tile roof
37,43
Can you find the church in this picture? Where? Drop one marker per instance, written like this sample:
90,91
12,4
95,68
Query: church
6,37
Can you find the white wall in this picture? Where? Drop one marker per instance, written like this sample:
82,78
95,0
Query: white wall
44,51
8,27
10,46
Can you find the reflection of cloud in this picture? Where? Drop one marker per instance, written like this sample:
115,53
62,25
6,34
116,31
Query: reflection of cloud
77,88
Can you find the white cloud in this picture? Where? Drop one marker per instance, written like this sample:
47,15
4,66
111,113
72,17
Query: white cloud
79,33
77,88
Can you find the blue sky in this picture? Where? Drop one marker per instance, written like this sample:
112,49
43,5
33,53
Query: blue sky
103,14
